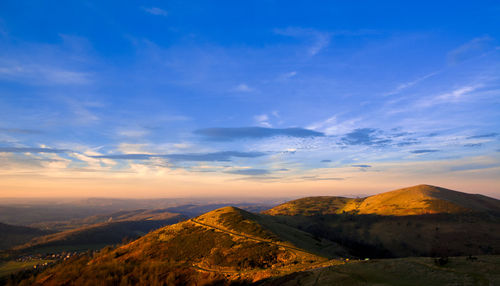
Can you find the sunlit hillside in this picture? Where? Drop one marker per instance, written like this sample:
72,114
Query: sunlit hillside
416,200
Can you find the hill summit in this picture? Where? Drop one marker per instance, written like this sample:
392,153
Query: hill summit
227,244
416,200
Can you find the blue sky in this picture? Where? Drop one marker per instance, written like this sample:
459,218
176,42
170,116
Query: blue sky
215,97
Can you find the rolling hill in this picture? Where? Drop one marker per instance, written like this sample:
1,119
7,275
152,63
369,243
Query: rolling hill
228,244
417,221
416,200
11,235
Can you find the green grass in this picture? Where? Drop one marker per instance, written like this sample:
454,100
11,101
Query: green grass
11,267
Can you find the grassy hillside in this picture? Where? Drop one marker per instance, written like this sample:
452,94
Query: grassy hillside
425,199
315,206
228,244
269,228
416,200
402,236
416,221
484,270
11,235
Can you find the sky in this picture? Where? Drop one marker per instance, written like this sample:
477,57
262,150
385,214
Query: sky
248,98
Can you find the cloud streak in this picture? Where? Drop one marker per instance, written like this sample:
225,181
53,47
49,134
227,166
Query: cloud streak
489,135
229,134
20,131
155,11
423,151
362,166
365,136
31,150
250,172
224,156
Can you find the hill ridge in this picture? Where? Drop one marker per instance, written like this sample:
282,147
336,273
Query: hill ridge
415,200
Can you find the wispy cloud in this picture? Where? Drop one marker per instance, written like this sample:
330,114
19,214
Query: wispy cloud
474,47
242,87
42,75
82,111
262,120
31,150
224,156
473,166
455,95
409,84
288,75
423,151
361,166
250,172
155,11
473,145
332,126
20,131
316,178
228,134
317,40
488,135
365,136
134,133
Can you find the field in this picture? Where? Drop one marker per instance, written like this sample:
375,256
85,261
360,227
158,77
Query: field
11,267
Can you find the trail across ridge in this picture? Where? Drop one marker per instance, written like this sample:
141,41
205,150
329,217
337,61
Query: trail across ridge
251,237
292,249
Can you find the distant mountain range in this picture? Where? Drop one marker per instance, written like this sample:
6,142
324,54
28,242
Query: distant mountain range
98,231
231,245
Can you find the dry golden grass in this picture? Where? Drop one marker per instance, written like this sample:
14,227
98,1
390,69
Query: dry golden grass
416,200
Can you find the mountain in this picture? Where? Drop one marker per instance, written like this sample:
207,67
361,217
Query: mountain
125,226
426,199
228,244
416,200
11,235
417,221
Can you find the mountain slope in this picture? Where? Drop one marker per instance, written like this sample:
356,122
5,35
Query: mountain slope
227,244
11,235
416,200
426,199
416,221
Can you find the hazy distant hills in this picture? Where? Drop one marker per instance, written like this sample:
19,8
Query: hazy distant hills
119,216
416,200
99,231
11,235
